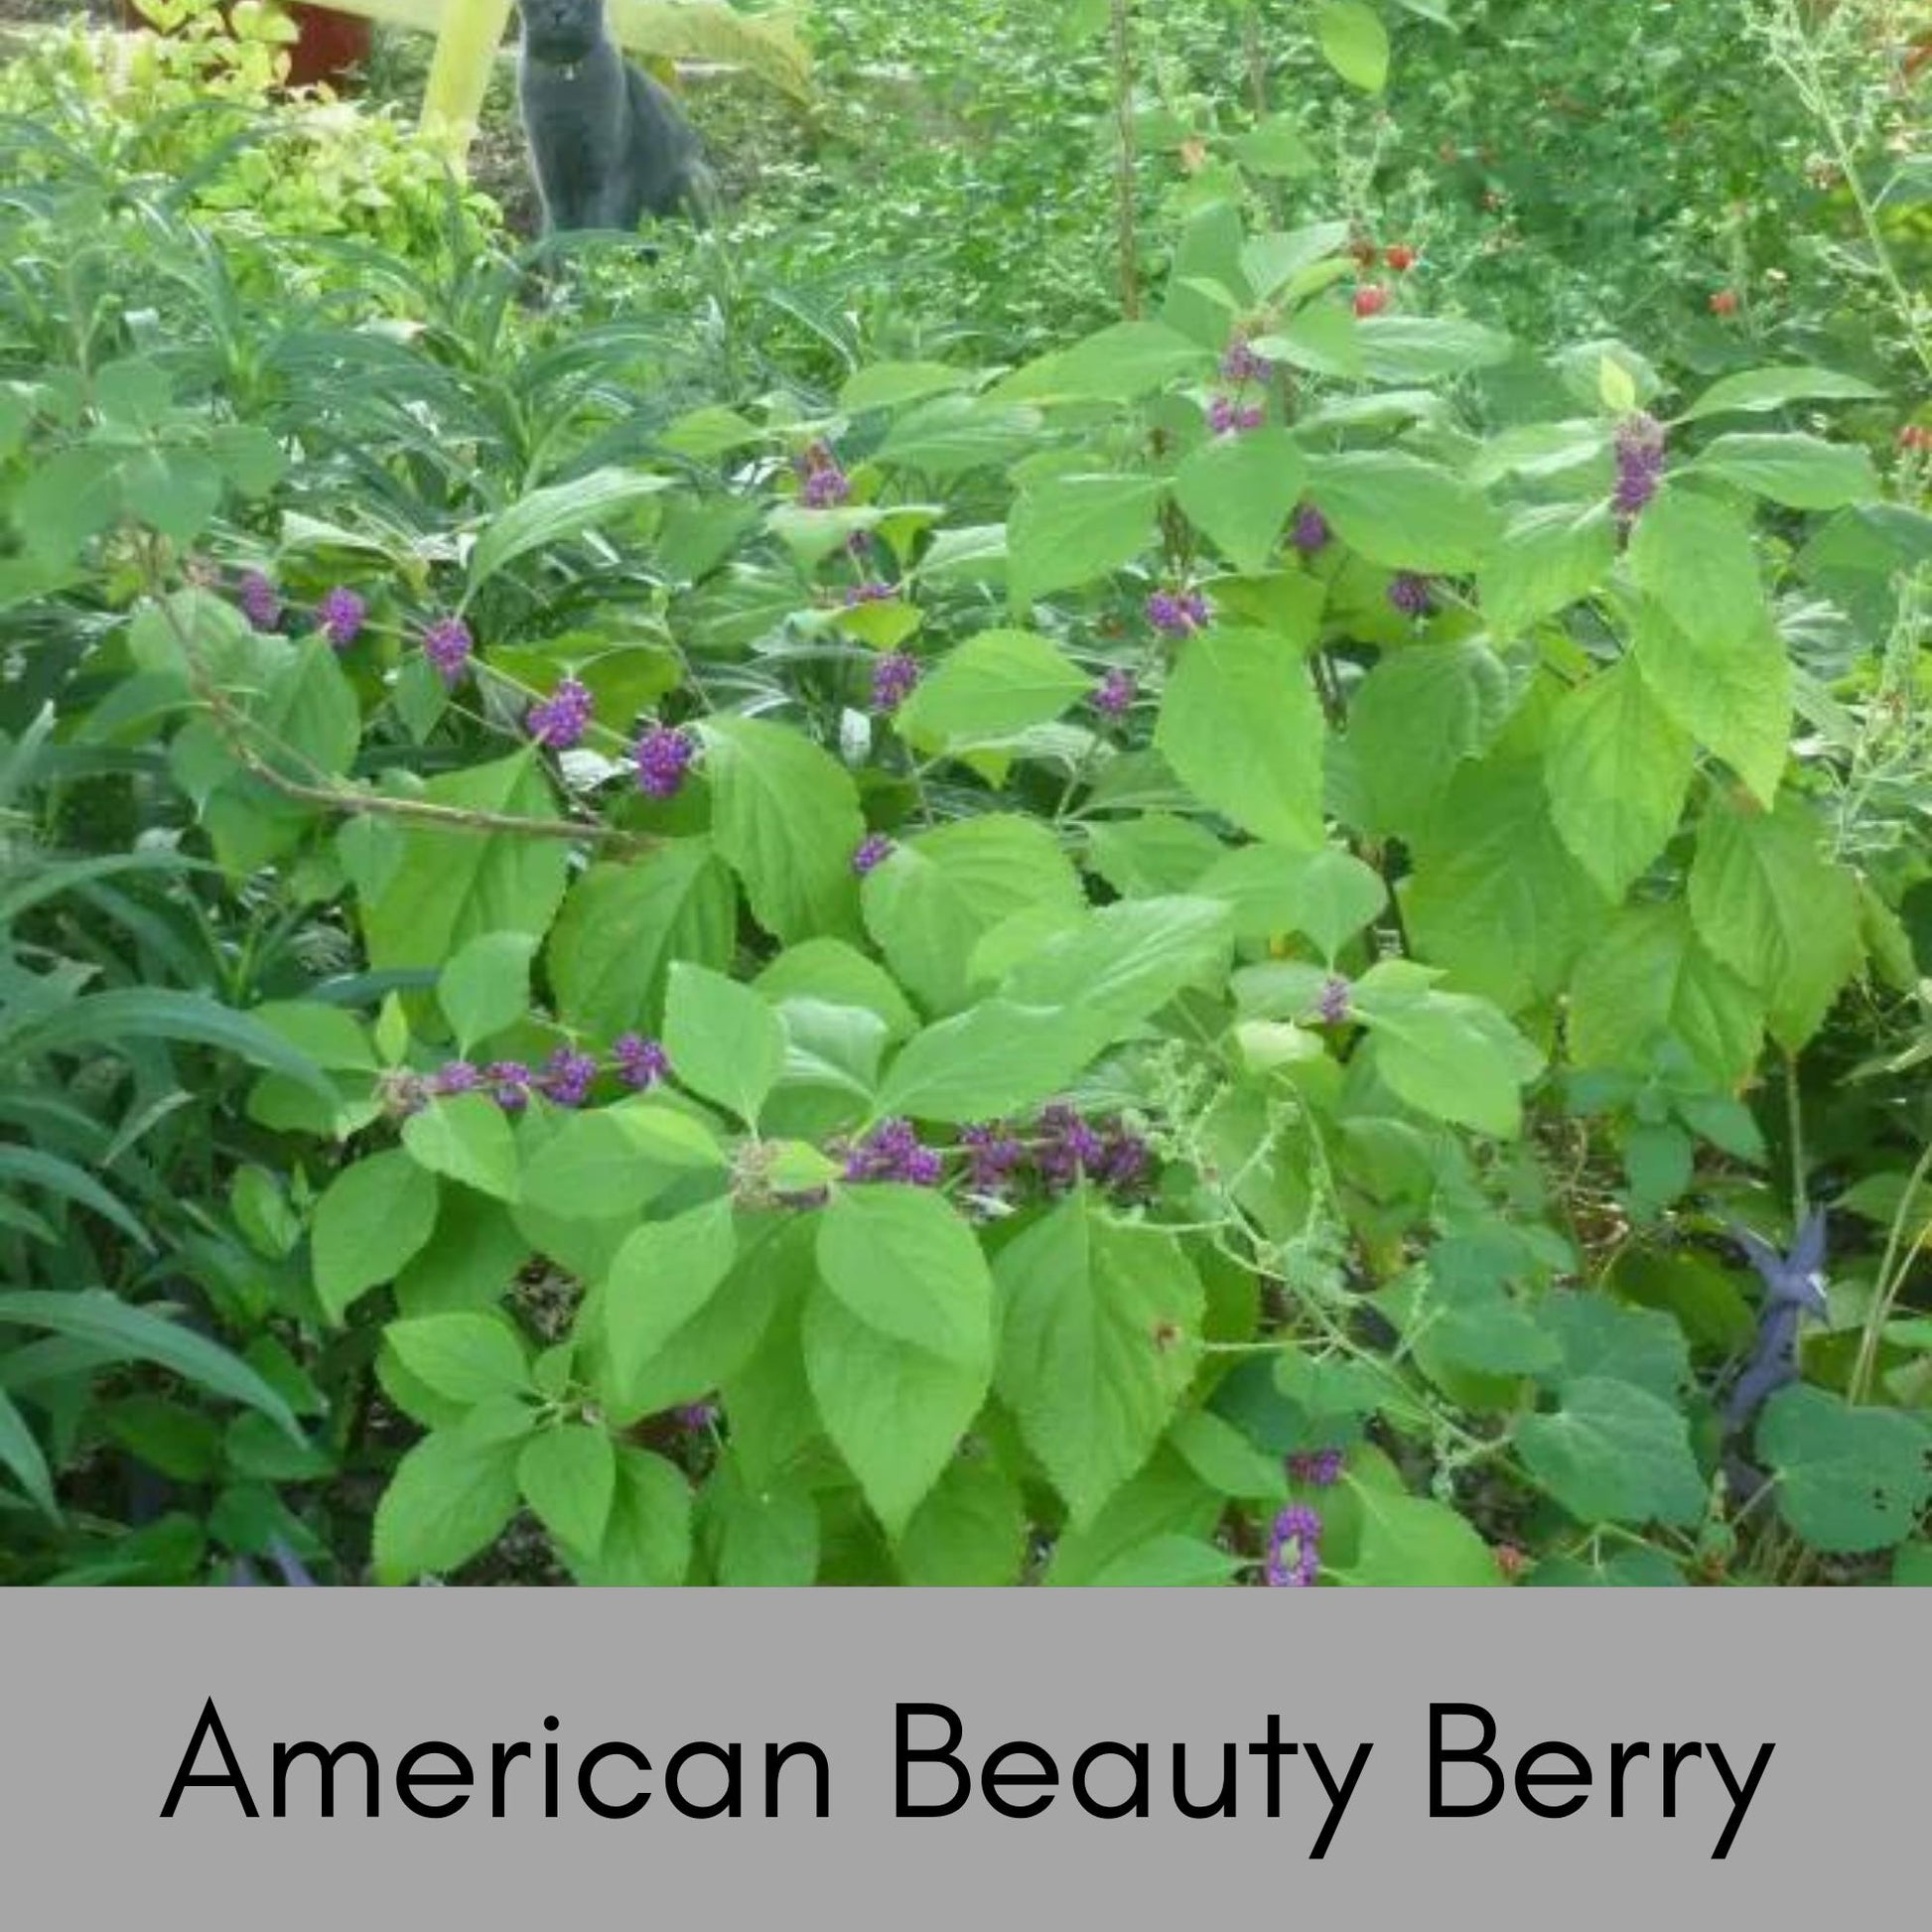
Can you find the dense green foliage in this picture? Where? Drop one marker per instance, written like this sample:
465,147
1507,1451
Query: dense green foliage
815,909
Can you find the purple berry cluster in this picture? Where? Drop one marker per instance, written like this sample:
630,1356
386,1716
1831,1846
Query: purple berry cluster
1310,530
877,592
447,644
871,852
1410,593
564,1078
1319,1468
260,602
993,1155
1639,450
893,679
1070,1149
1241,365
1334,1006
560,720
892,1151
822,484
1177,614
1227,416
341,615
1294,1548
661,756
1113,696
639,1062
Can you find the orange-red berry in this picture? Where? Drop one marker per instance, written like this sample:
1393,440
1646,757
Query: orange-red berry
1371,299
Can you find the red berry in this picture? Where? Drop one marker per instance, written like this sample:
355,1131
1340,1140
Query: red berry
1400,257
1371,299
1725,303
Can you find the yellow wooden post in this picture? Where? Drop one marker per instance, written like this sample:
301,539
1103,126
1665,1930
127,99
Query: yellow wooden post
466,45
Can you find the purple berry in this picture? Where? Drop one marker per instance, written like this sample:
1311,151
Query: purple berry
1334,1005
893,679
567,1077
1177,614
892,1151
340,615
1113,696
1319,1468
1310,532
561,719
1242,364
661,756
1226,417
870,592
510,1081
1639,449
458,1076
873,852
641,1062
822,485
260,603
696,1416
447,644
1410,595
1295,1548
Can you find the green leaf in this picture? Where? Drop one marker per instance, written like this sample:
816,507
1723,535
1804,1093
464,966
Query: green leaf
1803,472
485,987
1242,728
1410,1542
1121,363
1326,895
1403,513
993,686
1754,391
1731,692
1096,1347
450,886
997,1058
614,1162
941,892
1226,1460
1618,770
1847,1479
372,1217
894,1412
1427,348
647,1534
1607,1339
1614,1452
723,1038
568,1475
905,1264
1416,717
760,1538
1070,530
1122,964
450,1498
785,818
1768,904
1240,491
1354,43
969,1533
664,1278
1647,977
467,1357
1446,1055
466,1137
1550,557
558,513
19,1453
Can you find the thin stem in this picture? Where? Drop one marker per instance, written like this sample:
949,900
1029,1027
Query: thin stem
1124,161
1892,1271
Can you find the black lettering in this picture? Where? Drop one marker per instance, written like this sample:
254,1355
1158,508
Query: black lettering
1673,1756
1439,1755
327,1760
588,1792
1527,1779
1274,1750
1739,1800
963,1783
550,1771
209,1720
1620,1755
992,1777
1134,1803
501,1756
407,1775
775,1762
728,1757
1223,1803
1337,1799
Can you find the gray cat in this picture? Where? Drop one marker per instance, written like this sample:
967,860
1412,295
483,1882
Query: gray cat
608,144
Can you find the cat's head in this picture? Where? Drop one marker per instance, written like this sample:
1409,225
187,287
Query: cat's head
561,31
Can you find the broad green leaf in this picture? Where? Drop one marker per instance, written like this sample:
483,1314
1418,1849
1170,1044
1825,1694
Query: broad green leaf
615,1161
969,1533
1097,1344
724,1039
1070,530
1614,1452
997,1058
887,385
372,1217
1768,904
485,987
662,1279
1618,770
785,818
558,513
467,1137
1151,855
1602,1337
1226,1460
450,1498
1803,472
1408,1542
1730,690
568,1475
1427,348
22,1454
760,1538
991,687
1242,728
1328,894
1240,491
1848,1479
894,1412
1403,513
467,1357
1446,1055
1121,363
841,976
449,887
1754,390
1123,963
908,1266
647,1533
1354,43
1647,977
1549,557
1416,717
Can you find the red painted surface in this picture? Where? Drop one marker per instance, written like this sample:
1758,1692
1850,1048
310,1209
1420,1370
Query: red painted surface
330,45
